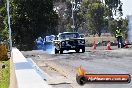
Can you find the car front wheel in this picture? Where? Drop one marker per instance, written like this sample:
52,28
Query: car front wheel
77,50
83,50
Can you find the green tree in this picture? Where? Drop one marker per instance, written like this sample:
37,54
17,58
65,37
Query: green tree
95,14
31,19
3,22
124,27
113,26
114,6
65,15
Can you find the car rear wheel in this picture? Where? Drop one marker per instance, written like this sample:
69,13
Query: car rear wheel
61,51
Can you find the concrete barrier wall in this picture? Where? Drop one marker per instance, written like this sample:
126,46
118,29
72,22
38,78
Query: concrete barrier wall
13,81
26,75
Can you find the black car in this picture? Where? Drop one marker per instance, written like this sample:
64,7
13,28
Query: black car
69,41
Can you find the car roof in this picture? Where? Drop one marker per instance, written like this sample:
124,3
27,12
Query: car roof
70,32
67,33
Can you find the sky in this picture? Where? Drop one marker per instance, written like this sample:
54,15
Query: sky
127,7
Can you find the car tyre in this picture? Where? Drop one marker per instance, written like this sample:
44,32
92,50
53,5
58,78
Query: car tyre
61,51
83,50
77,50
56,51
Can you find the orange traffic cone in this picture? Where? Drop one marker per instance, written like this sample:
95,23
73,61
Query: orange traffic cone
108,46
126,44
94,46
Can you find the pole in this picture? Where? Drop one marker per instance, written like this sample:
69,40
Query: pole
73,26
8,14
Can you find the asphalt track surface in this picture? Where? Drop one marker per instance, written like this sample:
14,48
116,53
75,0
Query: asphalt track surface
62,68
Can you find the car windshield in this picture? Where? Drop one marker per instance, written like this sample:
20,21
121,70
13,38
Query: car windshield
69,35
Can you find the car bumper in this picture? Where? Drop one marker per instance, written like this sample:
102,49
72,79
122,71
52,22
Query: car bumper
72,47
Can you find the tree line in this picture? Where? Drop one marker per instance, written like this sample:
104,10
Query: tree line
91,16
33,18
29,20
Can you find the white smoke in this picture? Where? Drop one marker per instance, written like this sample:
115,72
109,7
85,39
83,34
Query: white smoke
130,29
50,49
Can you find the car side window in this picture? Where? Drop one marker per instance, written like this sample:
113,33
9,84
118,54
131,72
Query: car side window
56,38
